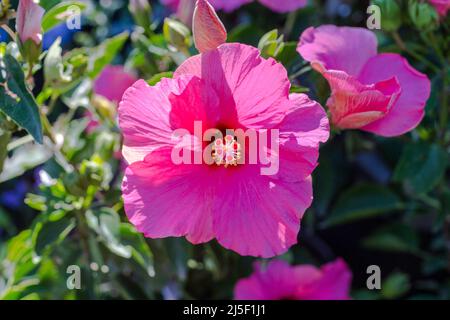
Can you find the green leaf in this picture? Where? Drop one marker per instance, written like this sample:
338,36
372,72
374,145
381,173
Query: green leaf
36,202
106,223
157,77
6,222
141,252
48,233
395,286
60,13
421,167
15,99
394,238
24,158
105,53
53,64
288,56
363,201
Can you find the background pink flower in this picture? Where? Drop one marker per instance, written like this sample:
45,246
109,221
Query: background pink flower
226,88
442,6
280,281
28,21
379,93
110,84
285,5
281,6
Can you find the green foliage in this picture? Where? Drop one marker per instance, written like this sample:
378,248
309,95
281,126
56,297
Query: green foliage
16,100
58,13
362,202
422,166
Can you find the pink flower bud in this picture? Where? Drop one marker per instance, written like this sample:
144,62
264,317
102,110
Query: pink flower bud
28,21
209,31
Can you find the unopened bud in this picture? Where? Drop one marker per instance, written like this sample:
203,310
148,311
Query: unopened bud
176,34
29,29
209,31
271,44
141,11
423,16
104,107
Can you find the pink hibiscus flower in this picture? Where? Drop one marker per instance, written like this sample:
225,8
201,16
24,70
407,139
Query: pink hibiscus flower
379,93
442,6
110,85
229,87
280,281
231,5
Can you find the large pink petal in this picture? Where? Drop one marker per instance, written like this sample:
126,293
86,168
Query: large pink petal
197,102
144,117
408,111
338,48
304,127
256,215
252,90
285,5
166,200
307,121
148,115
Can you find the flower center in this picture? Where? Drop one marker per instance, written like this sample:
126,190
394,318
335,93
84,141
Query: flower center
226,151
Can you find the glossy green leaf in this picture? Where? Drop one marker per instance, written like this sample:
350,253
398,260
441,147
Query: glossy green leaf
48,233
421,166
395,286
106,223
105,53
361,202
59,13
24,158
394,238
15,99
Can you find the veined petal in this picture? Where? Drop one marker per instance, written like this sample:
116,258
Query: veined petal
338,48
144,117
257,215
253,90
408,111
167,200
353,104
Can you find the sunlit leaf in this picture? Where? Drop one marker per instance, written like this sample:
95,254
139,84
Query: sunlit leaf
15,99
